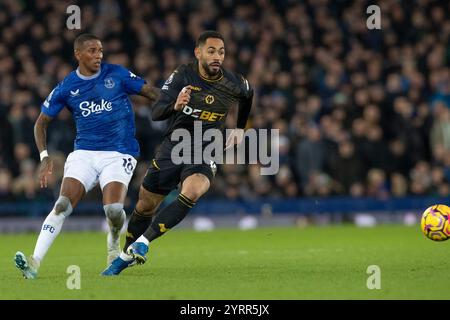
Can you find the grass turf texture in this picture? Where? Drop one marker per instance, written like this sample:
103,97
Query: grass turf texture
267,263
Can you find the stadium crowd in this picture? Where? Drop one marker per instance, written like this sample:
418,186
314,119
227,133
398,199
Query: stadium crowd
360,112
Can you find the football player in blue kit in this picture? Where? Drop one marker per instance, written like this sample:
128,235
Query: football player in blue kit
105,147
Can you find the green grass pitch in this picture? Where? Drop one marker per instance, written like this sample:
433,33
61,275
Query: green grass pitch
266,263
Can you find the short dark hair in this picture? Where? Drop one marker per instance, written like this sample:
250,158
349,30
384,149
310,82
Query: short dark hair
82,38
208,34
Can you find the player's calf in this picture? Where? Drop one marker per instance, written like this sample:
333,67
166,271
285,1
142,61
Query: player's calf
136,227
51,227
115,214
116,218
63,206
142,215
164,220
167,218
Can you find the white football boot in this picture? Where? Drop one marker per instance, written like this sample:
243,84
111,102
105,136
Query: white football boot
28,267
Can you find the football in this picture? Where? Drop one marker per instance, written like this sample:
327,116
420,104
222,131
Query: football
435,224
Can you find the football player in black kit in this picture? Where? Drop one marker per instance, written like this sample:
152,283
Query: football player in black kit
200,91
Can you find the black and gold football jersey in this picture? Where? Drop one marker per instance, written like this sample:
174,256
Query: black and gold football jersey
209,103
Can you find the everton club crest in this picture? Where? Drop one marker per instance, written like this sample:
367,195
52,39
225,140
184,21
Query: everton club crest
109,83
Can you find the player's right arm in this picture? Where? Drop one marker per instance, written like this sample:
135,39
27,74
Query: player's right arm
49,109
174,95
40,136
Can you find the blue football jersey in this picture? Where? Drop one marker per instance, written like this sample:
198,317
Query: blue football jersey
101,108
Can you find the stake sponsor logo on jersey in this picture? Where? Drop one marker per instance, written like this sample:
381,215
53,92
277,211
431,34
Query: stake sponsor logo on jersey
90,107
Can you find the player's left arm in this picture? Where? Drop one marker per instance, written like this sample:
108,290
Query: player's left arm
245,105
150,92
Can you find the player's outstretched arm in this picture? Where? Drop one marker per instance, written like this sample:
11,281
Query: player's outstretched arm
40,136
150,92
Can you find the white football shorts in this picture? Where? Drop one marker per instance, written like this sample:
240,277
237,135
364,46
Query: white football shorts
92,167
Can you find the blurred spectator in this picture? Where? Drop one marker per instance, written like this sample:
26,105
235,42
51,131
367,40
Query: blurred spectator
398,159
6,185
377,184
399,185
440,132
375,149
310,154
346,168
320,185
421,178
25,185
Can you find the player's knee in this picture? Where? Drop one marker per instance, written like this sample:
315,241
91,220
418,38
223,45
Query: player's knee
63,206
148,202
146,207
194,189
191,193
113,211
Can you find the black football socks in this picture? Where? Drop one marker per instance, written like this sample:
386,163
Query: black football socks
168,217
136,227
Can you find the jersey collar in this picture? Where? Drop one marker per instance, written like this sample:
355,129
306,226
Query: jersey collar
95,75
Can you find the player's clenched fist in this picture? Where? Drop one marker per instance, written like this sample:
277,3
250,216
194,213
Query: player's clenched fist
183,98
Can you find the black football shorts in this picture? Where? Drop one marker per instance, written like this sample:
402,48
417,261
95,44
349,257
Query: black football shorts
163,175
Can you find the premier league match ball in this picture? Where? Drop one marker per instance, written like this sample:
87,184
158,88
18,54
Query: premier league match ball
435,222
